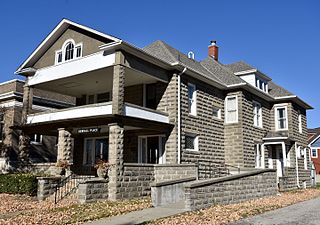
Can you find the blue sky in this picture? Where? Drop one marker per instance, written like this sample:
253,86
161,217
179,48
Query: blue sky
281,38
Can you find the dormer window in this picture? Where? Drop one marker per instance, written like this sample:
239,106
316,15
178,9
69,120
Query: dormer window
261,84
69,51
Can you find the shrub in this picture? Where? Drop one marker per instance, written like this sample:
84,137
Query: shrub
18,184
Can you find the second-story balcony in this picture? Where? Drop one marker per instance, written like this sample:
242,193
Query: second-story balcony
94,82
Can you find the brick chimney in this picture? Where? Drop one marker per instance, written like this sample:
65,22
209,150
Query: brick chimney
213,50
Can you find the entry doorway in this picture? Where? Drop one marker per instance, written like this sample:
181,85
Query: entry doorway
276,159
94,149
151,149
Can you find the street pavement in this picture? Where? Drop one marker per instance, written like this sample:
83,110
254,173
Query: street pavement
303,213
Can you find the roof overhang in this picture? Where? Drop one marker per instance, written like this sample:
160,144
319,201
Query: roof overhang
294,99
258,72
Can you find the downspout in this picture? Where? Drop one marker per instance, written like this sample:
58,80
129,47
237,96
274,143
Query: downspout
179,114
297,169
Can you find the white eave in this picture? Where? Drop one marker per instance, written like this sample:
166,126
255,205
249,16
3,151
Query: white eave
51,38
295,99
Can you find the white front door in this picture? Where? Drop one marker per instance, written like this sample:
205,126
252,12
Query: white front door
151,149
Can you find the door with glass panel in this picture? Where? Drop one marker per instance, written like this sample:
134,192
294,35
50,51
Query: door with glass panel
95,149
151,149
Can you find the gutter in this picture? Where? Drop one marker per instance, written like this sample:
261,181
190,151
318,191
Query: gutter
179,114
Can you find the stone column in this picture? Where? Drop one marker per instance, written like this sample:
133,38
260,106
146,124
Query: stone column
65,145
116,136
24,147
27,102
118,85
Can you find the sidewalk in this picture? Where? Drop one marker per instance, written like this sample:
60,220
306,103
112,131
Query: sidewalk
141,216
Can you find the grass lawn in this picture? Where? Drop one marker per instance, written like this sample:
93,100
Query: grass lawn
20,209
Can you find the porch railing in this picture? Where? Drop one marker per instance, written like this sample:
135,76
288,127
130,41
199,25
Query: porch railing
67,186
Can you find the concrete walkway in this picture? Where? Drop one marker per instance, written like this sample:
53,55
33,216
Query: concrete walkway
142,216
303,213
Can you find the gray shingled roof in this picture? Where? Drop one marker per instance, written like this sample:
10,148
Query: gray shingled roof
239,66
223,74
171,55
313,134
277,91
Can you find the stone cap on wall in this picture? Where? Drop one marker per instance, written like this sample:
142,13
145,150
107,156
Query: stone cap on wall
201,183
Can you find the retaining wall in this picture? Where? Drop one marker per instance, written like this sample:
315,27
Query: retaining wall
230,189
92,190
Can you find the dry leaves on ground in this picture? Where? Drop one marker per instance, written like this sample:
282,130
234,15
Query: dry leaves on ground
26,210
222,214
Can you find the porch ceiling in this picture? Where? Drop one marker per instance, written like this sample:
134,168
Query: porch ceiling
97,81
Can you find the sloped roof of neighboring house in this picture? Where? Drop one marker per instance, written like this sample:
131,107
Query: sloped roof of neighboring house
313,135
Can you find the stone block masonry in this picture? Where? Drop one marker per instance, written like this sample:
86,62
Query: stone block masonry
231,189
92,190
46,186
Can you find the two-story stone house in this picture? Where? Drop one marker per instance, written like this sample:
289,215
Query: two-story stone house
42,149
156,105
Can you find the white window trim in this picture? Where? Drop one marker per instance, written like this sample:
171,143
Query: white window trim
276,116
259,164
196,142
255,103
300,123
314,148
193,107
226,109
63,48
161,150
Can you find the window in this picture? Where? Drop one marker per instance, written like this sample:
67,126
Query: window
1,126
94,149
257,114
261,84
68,52
191,142
98,98
36,139
231,109
103,97
151,149
314,153
216,112
281,118
259,155
192,96
300,123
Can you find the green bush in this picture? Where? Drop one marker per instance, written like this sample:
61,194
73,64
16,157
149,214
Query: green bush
18,184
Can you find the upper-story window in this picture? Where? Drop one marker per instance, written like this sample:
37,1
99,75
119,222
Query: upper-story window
231,110
257,114
69,51
314,153
281,118
261,84
192,99
300,123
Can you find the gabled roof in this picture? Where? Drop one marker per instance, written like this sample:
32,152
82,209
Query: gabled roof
278,91
54,35
313,135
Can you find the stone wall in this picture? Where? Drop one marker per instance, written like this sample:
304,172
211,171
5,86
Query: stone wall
209,129
92,190
231,189
46,186
167,172
136,180
289,180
